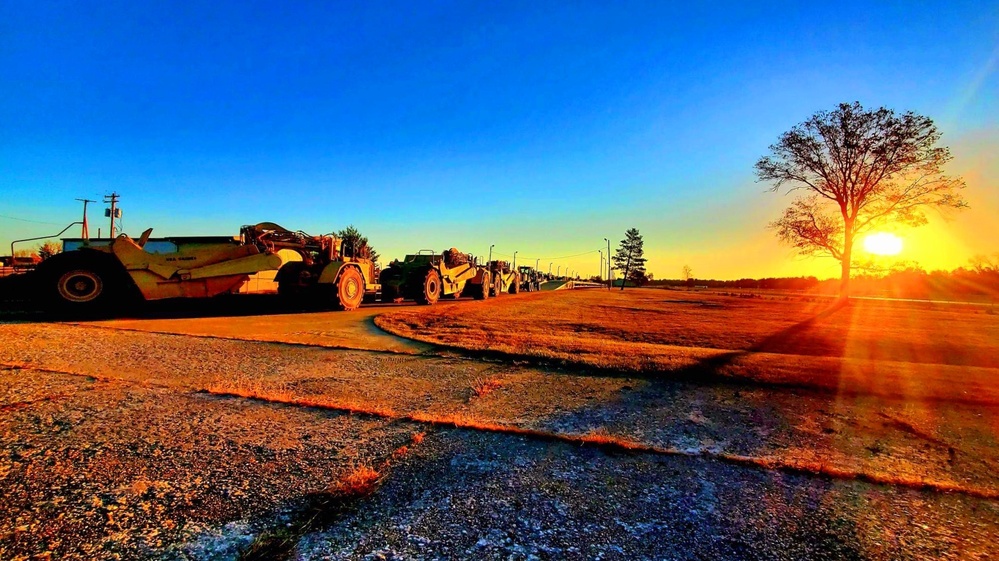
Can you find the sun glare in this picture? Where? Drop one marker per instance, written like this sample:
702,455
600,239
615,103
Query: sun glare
883,244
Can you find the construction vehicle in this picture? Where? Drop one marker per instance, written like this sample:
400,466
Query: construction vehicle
426,276
530,279
327,273
95,276
504,278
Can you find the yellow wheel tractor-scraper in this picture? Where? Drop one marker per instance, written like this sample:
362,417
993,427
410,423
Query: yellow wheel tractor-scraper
505,278
426,276
97,276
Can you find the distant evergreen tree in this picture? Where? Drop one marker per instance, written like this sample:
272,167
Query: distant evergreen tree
630,258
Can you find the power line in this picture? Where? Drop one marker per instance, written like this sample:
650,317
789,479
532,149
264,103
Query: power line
26,220
519,256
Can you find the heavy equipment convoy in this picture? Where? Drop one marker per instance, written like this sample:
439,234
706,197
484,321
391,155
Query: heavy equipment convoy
426,276
530,279
504,278
97,275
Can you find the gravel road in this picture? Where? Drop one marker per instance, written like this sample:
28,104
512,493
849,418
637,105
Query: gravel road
114,446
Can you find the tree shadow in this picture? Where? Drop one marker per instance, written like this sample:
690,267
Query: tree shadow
803,338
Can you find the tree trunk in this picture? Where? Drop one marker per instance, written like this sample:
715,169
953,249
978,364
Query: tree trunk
844,280
627,268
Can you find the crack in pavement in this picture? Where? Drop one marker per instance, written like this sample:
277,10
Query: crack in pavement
602,441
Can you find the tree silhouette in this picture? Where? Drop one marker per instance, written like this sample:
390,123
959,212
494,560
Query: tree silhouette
860,170
356,245
48,249
630,258
687,273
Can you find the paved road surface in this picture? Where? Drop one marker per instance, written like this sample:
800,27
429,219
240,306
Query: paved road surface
113,445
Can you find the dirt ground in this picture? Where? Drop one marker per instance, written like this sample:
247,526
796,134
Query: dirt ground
228,434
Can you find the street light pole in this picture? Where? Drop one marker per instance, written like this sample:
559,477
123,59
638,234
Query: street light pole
491,252
558,271
610,283
514,259
550,269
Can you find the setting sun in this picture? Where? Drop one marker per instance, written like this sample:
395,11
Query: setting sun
883,244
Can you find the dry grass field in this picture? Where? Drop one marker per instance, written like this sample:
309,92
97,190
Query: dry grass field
910,350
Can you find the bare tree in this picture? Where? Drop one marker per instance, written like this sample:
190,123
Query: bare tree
985,263
860,170
687,273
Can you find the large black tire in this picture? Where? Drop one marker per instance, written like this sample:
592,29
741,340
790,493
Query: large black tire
481,291
85,284
515,286
349,289
432,288
497,288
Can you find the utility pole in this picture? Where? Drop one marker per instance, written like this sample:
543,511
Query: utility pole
514,259
600,271
85,231
491,253
114,211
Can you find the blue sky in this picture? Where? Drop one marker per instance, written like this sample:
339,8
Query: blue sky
541,127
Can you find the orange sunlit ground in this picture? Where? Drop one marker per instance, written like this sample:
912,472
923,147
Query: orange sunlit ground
931,368
664,331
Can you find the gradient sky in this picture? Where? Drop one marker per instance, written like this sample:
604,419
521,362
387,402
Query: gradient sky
540,127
